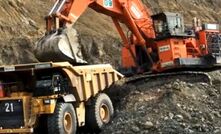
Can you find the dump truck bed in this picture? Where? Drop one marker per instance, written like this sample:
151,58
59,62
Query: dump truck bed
86,80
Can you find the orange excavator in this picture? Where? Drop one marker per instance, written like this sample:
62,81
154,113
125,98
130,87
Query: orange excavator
157,43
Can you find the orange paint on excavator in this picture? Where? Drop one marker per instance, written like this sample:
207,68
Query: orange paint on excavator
157,43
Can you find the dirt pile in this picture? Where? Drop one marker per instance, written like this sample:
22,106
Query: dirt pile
168,106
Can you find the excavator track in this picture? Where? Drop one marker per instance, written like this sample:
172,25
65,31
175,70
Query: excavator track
208,76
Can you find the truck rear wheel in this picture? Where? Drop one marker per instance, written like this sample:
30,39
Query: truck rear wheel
99,112
63,121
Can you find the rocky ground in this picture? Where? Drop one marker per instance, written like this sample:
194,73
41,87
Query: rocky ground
169,105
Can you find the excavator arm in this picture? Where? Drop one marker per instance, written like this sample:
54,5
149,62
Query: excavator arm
130,12
60,43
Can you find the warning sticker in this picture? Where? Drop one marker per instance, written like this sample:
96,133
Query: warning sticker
108,3
164,48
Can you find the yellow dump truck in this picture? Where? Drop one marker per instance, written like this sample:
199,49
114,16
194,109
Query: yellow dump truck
58,96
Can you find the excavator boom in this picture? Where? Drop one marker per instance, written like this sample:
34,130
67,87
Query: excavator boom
65,13
132,13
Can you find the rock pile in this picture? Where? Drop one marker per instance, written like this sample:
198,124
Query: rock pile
167,107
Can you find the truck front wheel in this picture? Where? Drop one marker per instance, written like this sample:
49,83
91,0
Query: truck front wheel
63,121
99,112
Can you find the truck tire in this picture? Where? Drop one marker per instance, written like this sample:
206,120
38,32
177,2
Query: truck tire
99,113
63,121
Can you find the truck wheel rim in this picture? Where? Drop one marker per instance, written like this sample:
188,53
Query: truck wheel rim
104,113
68,122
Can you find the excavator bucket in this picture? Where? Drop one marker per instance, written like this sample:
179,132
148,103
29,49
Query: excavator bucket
60,46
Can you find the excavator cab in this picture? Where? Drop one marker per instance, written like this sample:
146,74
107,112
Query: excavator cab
169,24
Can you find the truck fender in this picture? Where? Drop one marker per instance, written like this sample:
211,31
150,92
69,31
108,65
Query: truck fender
69,98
